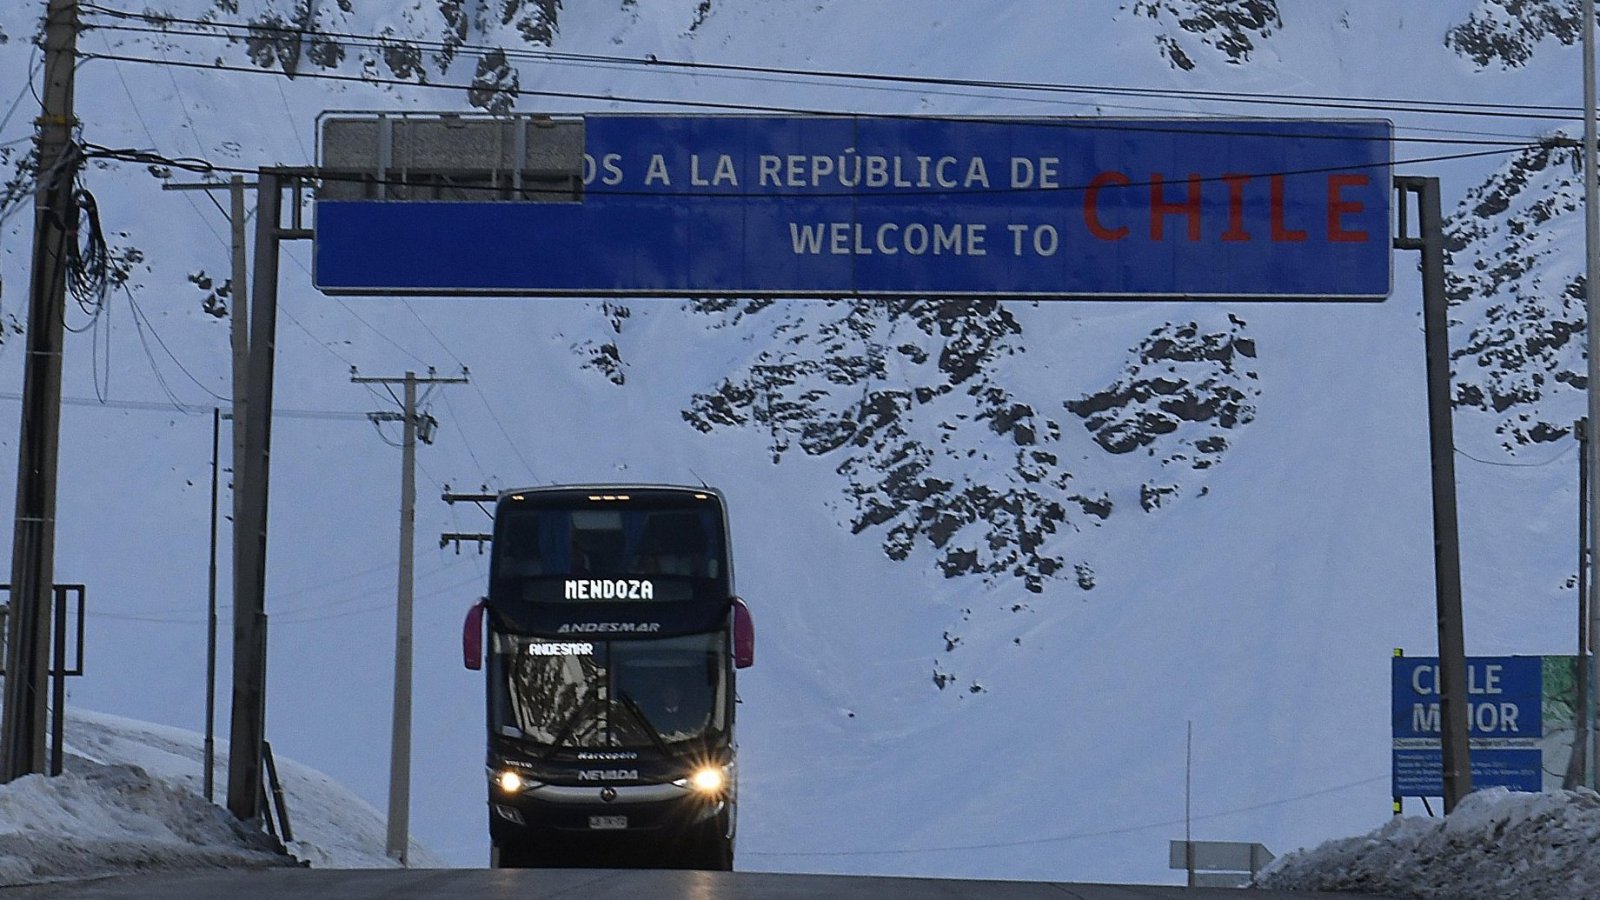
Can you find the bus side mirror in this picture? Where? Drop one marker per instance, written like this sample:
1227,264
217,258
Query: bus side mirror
472,638
744,636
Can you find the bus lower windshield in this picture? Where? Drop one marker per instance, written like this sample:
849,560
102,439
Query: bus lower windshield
612,694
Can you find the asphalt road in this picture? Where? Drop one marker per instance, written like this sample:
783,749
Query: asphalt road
493,884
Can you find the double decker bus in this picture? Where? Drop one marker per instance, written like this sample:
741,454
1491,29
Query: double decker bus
613,636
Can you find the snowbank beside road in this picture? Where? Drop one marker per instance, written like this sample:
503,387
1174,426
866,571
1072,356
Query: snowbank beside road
1495,844
105,819
131,800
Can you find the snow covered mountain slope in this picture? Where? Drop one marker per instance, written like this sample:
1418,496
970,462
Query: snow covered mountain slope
1000,553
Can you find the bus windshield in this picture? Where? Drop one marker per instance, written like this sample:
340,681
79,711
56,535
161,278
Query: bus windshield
611,694
664,548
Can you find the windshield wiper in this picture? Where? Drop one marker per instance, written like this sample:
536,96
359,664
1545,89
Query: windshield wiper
632,707
571,725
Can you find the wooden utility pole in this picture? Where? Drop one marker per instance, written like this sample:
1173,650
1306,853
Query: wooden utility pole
239,338
1591,293
248,722
238,323
1577,763
1455,752
22,728
398,838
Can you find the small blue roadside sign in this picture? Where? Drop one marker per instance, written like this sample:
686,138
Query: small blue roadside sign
1505,700
833,206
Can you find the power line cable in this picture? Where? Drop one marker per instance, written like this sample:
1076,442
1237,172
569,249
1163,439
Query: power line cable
345,305
95,337
388,565
133,105
1511,465
406,302
732,106
454,417
515,447
288,115
378,424
338,615
138,314
314,606
199,165
466,442
301,620
40,181
1112,832
224,242
161,380
285,312
294,616
196,410
146,618
380,42
33,69
183,107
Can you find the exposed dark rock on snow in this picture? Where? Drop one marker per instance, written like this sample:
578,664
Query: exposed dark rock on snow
933,448
1231,27
403,59
1517,290
936,451
311,33
605,357
1507,31
1181,382
495,84
535,20
277,42
215,296
700,13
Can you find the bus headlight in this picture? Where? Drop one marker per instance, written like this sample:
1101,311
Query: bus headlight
510,782
708,780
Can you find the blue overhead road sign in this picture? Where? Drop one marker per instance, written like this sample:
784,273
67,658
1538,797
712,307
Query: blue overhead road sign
882,206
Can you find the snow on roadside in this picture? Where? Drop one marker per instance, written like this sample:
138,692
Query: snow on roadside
98,819
332,827
1495,844
131,800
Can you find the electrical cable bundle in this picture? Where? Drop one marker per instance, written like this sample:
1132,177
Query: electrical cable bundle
88,261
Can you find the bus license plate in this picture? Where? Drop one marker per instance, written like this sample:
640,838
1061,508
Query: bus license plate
608,823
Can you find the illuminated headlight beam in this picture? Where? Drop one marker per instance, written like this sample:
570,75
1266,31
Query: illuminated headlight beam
708,780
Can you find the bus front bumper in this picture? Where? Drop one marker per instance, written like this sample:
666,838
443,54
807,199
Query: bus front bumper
599,810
